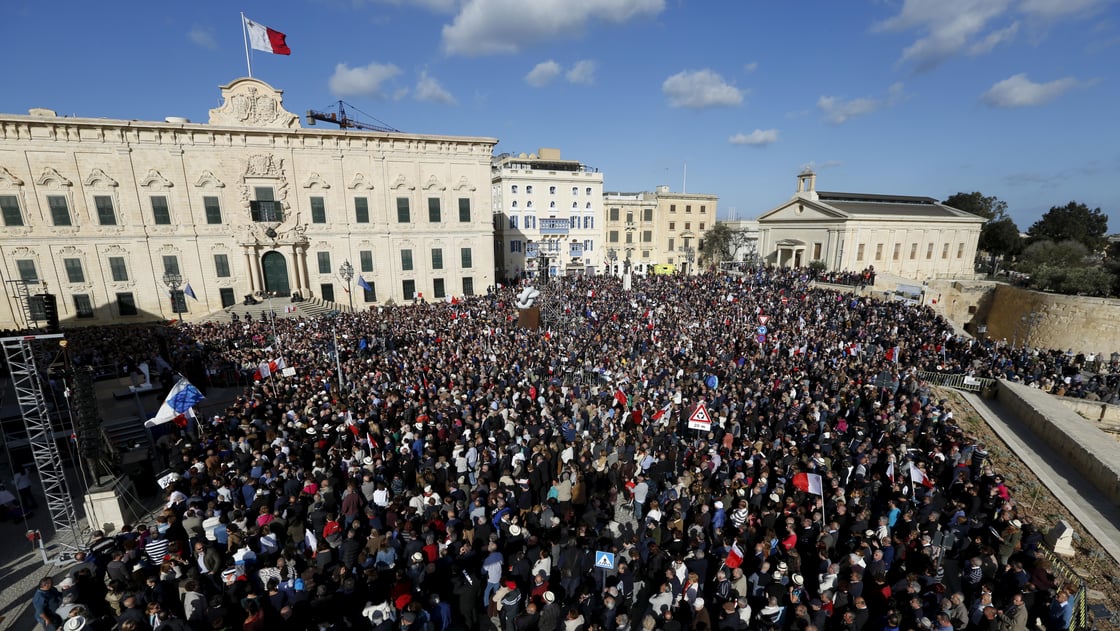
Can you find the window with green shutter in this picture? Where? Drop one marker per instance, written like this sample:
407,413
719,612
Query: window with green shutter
161,213
83,306
361,210
468,286
437,258
318,210
9,208
365,261
26,269
433,210
60,210
406,260
126,304
437,288
106,214
170,264
466,260
404,215
118,271
213,209
74,271
221,265
464,210
324,259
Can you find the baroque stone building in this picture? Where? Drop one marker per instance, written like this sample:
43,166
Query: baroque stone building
103,212
913,237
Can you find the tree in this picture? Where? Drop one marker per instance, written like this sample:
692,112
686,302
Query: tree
1065,255
1073,221
977,204
717,242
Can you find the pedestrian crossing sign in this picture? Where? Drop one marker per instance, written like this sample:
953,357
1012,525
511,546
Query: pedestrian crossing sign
604,560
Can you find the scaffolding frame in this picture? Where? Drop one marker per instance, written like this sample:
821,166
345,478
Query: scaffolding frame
27,382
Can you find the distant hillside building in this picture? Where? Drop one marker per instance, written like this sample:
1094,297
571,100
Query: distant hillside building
103,211
548,214
659,228
913,237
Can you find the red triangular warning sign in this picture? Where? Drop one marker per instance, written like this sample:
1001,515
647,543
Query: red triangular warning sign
700,415
763,319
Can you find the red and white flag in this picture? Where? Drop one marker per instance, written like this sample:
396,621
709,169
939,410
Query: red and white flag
662,412
265,39
734,557
917,476
890,472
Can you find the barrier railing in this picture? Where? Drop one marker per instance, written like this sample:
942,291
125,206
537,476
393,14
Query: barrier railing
957,381
1079,620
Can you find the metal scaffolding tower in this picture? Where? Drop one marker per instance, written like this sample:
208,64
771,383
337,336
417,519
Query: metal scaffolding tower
27,382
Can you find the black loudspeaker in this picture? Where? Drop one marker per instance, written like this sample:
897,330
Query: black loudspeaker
137,465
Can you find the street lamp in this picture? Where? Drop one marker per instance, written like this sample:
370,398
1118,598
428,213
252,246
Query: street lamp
346,273
612,256
173,280
332,317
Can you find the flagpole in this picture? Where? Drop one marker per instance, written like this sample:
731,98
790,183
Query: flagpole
245,36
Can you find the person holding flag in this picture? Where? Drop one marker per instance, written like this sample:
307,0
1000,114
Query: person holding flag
177,407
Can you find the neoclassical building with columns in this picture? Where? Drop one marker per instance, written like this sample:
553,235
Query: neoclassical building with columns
102,212
912,237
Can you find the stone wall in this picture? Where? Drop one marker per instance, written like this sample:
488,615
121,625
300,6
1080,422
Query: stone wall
1082,445
1086,325
1105,416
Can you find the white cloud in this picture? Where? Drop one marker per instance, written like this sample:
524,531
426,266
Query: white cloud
952,27
750,67
203,37
1048,9
700,88
1019,91
583,72
993,39
757,138
489,27
366,80
542,74
428,89
838,111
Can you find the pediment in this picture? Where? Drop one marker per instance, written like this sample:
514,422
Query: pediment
208,179
464,183
800,209
51,175
360,181
250,102
434,183
97,177
8,179
316,180
400,183
155,178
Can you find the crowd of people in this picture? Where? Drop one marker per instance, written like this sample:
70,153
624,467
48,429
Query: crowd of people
442,468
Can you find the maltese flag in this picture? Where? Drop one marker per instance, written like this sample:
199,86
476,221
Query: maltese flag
265,39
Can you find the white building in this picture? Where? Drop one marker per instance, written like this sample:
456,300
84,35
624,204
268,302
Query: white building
913,237
102,212
548,213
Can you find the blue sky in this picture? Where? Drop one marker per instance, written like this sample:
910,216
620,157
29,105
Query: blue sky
1014,98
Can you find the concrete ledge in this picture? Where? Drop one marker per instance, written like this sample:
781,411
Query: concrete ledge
1091,452
1104,414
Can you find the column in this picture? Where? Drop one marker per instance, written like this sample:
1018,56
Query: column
295,269
249,269
301,269
255,261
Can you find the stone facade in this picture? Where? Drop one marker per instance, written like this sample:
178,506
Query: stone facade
648,229
913,237
99,210
546,209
